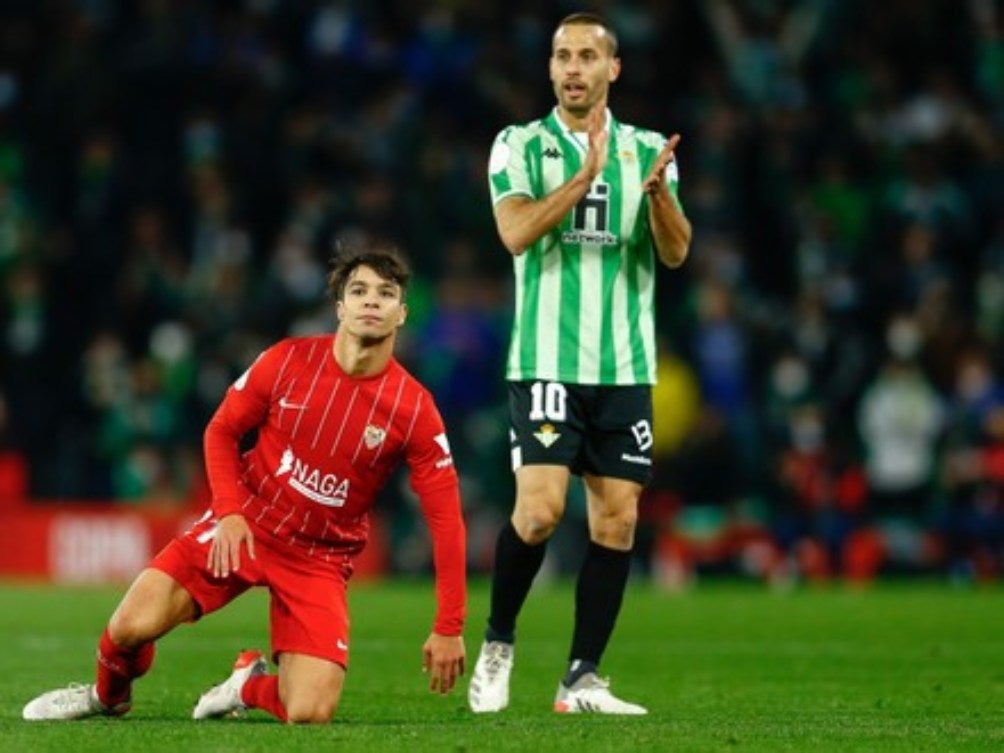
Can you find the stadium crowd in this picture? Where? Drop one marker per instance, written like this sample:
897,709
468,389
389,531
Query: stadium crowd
174,176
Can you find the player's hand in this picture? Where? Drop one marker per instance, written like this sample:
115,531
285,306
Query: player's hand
657,175
443,660
599,137
225,551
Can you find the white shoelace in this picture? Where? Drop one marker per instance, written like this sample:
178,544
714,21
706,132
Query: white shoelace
76,692
494,660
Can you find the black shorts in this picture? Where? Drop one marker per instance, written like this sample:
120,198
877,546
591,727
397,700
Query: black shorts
590,429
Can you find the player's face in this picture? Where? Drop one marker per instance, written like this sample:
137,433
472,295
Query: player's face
582,67
371,307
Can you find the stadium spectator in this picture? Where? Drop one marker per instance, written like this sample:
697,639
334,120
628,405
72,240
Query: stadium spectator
585,205
333,416
877,148
901,418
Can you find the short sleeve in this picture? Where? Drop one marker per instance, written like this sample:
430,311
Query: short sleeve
507,166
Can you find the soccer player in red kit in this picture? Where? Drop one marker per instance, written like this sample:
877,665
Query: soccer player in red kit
334,416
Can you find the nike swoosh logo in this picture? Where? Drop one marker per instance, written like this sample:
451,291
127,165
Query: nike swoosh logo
341,645
286,405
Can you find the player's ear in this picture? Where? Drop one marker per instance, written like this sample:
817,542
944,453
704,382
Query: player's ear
402,315
339,310
615,70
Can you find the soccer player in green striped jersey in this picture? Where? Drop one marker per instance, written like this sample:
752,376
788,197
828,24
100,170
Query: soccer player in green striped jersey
587,206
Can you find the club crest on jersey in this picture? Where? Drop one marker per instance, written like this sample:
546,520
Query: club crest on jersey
547,435
323,488
374,436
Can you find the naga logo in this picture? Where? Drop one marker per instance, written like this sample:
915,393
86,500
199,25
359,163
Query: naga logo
552,153
323,488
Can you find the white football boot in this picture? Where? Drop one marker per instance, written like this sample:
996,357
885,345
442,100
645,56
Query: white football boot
590,694
225,698
75,701
489,688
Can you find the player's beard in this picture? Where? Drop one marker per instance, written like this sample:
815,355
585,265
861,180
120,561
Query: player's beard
582,107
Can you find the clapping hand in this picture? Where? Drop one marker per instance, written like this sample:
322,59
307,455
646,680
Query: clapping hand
657,175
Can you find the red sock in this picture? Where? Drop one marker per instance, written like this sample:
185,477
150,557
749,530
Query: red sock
117,668
262,692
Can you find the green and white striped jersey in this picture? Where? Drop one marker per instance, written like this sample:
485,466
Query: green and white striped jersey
585,290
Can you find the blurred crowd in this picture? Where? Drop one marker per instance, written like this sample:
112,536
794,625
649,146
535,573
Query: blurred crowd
174,177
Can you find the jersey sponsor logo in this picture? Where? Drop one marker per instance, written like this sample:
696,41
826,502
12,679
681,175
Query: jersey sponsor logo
374,436
589,236
547,435
551,153
590,219
444,445
323,488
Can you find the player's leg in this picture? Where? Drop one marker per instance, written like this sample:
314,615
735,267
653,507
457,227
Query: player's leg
599,593
153,605
308,618
612,509
306,689
618,458
310,687
540,504
519,552
545,441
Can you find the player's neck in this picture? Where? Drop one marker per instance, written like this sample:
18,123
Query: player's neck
576,122
572,121
359,357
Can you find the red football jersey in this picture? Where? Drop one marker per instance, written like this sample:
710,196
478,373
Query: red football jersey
326,444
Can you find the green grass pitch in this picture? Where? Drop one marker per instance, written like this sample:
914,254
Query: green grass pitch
725,667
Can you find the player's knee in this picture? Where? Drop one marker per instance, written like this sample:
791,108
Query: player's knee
535,525
615,530
310,710
131,627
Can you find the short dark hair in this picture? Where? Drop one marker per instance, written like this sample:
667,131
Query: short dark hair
591,19
386,261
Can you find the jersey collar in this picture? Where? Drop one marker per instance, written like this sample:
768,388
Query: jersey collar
580,139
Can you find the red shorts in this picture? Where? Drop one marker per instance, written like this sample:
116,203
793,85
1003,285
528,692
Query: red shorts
308,608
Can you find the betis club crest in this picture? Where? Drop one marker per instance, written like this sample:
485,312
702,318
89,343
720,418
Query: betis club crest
547,435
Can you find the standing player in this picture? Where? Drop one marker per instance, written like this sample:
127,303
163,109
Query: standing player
334,416
584,204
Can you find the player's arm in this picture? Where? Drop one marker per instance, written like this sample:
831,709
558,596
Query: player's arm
671,230
522,221
244,406
434,480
